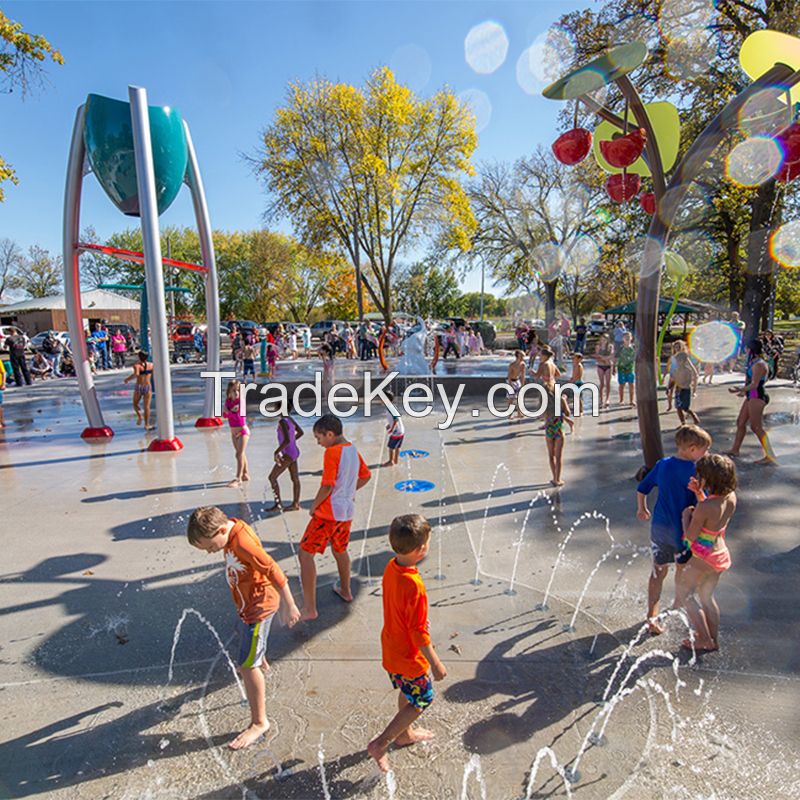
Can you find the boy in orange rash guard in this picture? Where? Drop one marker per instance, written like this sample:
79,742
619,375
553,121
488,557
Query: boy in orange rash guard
343,474
259,589
405,642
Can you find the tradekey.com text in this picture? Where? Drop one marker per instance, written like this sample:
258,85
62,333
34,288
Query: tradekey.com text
416,400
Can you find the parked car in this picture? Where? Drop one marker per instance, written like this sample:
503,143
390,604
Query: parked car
242,324
319,329
11,330
36,341
295,327
596,326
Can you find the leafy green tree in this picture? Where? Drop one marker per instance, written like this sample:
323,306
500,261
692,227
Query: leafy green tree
369,170
21,57
428,290
10,261
492,306
38,274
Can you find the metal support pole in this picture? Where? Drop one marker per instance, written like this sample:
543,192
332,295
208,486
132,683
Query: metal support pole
483,270
195,184
153,266
72,287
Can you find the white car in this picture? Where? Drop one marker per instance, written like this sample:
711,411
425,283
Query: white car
37,341
12,330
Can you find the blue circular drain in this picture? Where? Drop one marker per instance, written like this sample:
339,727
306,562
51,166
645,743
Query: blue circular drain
414,486
414,454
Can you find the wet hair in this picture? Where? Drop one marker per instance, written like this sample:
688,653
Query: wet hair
328,423
233,388
546,351
578,356
518,353
718,474
692,435
408,532
142,356
756,347
204,523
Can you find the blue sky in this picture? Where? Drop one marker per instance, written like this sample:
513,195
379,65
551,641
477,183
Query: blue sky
225,65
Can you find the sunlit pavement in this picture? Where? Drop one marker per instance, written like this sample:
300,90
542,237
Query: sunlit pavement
97,573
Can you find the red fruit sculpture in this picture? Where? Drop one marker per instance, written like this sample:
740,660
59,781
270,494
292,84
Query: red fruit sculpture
623,151
647,200
622,187
573,146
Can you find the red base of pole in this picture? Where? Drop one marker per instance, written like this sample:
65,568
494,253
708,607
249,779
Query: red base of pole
97,433
165,445
209,422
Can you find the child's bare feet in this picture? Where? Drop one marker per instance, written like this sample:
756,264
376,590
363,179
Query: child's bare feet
306,615
654,627
249,736
138,418
348,598
700,646
293,507
767,460
233,484
416,735
378,752
387,463
275,507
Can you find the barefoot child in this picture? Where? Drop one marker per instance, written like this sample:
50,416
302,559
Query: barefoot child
672,365
396,431
406,645
554,433
248,361
258,587
671,475
626,357
143,391
343,473
704,531
286,454
240,433
515,378
685,379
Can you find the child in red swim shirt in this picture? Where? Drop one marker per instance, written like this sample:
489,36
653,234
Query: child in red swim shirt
406,645
343,473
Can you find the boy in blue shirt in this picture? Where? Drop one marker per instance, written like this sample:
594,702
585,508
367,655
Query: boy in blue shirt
671,475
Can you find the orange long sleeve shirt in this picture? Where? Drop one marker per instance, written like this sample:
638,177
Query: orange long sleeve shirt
253,576
405,621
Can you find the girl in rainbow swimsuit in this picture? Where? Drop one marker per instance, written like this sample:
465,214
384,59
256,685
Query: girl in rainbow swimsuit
704,527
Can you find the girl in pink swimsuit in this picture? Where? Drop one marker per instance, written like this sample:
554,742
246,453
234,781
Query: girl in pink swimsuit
704,527
240,433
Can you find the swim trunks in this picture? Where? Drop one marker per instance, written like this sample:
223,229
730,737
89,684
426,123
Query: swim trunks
683,399
418,691
253,641
321,531
395,442
624,377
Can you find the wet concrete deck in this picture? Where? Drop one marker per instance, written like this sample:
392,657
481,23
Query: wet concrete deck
97,574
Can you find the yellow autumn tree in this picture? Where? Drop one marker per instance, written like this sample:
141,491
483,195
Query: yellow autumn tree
369,170
21,58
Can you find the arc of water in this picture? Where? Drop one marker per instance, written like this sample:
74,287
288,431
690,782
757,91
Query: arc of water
473,766
476,580
322,777
391,784
563,546
540,755
539,494
597,566
212,629
670,612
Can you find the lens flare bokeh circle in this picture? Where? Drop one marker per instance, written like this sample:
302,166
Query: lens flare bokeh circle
714,342
754,161
486,47
784,245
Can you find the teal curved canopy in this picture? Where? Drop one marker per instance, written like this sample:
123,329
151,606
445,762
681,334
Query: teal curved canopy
109,146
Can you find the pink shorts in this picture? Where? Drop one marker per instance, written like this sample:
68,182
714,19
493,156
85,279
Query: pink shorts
719,560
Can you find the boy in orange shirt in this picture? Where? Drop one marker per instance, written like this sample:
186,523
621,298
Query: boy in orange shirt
405,643
259,588
343,473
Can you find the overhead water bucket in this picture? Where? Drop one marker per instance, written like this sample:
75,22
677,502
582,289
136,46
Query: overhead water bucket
109,148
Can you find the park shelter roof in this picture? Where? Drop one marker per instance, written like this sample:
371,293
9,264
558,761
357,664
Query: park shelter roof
97,298
664,305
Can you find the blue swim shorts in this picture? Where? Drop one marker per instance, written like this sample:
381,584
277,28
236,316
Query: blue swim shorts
418,691
624,377
253,641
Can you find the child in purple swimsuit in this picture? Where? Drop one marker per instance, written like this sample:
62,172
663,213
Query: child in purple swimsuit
240,433
286,455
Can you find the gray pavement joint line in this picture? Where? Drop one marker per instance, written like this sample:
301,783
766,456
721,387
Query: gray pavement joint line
371,507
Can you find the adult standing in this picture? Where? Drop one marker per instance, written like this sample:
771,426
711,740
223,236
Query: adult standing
16,355
521,334
100,337
755,401
143,391
52,350
566,332
580,336
619,331
604,357
118,347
